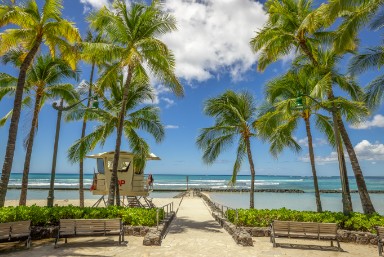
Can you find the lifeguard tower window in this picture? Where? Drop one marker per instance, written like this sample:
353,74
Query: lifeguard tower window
100,165
122,167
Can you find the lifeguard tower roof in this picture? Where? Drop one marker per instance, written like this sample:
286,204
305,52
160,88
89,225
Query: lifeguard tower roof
151,156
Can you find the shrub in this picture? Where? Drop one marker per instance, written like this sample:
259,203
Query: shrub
264,217
45,216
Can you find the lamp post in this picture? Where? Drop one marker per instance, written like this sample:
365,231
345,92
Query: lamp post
60,110
347,203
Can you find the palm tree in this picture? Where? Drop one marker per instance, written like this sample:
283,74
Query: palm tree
233,113
281,93
134,35
136,118
33,27
93,60
300,27
45,77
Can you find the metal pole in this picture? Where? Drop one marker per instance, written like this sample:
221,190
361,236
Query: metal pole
157,219
51,197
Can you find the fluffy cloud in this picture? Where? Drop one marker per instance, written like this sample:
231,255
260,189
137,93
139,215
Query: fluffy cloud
377,121
212,37
364,150
370,152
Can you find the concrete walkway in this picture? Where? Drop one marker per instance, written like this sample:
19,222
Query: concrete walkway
193,233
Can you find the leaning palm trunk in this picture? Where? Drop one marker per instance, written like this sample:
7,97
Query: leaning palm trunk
312,159
12,135
84,127
361,186
114,187
252,167
27,161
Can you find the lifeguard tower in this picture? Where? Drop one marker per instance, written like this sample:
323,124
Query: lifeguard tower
132,183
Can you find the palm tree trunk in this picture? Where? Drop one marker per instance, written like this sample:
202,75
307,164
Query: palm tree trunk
346,194
312,159
51,192
27,162
252,167
12,134
361,186
83,128
114,187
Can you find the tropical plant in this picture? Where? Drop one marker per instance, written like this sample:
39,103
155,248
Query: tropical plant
233,113
135,46
301,28
136,118
32,28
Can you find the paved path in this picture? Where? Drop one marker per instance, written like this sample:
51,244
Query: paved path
193,233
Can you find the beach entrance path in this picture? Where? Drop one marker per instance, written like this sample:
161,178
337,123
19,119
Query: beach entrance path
192,233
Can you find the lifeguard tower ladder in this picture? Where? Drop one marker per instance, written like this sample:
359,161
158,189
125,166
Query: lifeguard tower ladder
132,184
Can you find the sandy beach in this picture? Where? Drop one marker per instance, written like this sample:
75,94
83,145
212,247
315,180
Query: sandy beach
192,233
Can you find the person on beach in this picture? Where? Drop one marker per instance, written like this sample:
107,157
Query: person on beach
150,181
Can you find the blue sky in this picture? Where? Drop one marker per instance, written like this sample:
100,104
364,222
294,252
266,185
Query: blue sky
212,56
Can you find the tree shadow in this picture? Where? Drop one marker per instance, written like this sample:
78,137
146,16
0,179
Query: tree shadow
180,225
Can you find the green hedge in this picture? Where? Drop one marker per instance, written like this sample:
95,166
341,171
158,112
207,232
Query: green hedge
263,218
45,216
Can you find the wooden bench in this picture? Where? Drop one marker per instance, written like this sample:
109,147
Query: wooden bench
380,236
90,228
16,231
305,230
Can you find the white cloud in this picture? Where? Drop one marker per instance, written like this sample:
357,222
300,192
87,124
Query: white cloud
377,121
96,4
213,36
315,142
169,102
370,152
171,126
364,150
321,160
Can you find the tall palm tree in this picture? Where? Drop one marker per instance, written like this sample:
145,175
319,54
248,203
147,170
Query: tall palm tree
33,27
301,29
234,114
281,92
135,45
45,76
94,61
136,118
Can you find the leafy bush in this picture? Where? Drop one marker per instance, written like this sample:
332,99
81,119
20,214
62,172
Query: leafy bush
264,217
44,216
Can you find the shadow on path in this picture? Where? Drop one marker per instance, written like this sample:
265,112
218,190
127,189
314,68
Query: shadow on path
180,225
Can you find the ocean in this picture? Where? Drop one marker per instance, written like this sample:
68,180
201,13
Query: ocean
39,183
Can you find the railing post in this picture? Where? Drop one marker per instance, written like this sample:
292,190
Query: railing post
222,211
157,219
237,218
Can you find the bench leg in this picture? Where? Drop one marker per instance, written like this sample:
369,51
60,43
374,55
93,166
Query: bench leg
65,240
332,243
380,248
338,245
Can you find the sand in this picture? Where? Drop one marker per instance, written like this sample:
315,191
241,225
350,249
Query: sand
192,233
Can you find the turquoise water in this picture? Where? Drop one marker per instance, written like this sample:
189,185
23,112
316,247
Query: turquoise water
41,180
305,201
